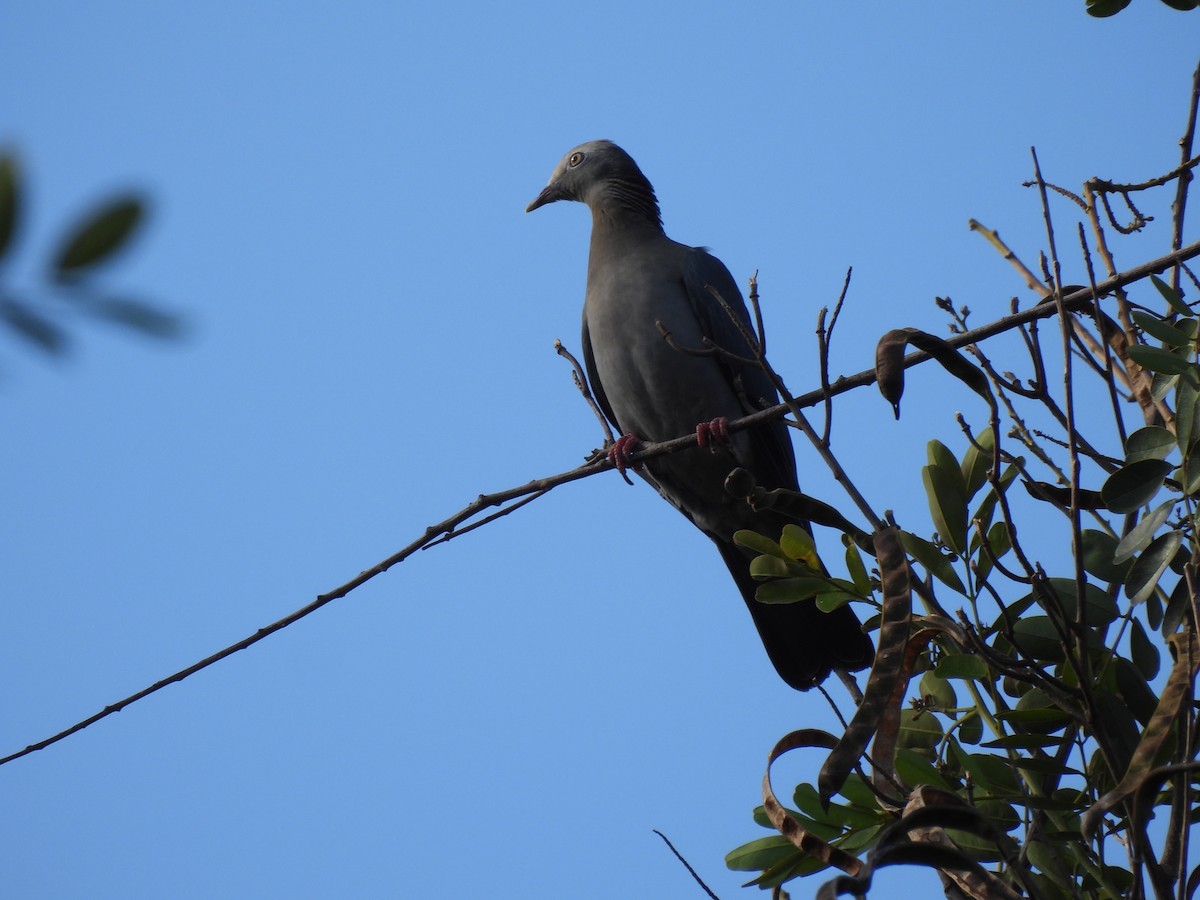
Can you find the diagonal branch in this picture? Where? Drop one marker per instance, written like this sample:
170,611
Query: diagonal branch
511,499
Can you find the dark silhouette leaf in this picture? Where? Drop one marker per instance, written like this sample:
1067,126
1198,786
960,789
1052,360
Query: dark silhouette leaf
99,236
10,201
139,316
934,562
1134,485
1175,693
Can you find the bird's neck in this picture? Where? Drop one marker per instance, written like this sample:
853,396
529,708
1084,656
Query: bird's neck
615,223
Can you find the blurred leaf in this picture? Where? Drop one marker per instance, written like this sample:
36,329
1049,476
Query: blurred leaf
138,316
1134,485
1143,577
1177,609
1101,608
1098,549
937,565
1142,534
774,567
1161,330
10,201
1024,741
1151,442
33,326
98,236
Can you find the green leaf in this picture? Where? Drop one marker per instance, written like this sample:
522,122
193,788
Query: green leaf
797,543
752,540
914,769
1143,651
937,565
1142,534
1173,297
1134,485
1098,549
962,666
1138,697
970,729
1101,608
1161,330
999,543
1189,473
99,236
1151,442
856,568
760,854
10,201
1144,575
774,567
936,691
976,465
1023,742
1157,359
790,590
1187,414
947,496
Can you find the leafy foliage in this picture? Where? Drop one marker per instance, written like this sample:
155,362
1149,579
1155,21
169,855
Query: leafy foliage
1022,744
37,317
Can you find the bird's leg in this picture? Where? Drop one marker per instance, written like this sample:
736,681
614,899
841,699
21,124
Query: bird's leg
620,451
713,434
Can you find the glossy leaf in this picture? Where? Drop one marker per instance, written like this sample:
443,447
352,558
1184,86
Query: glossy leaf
1150,442
798,543
1149,567
99,236
1187,413
857,569
752,540
1134,485
1142,533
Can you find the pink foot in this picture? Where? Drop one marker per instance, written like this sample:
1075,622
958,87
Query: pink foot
620,451
713,434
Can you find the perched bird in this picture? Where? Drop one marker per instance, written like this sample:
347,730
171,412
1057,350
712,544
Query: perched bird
649,390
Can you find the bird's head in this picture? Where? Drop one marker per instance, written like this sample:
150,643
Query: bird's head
594,172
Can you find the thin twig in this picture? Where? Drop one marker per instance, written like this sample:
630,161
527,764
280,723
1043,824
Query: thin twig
686,864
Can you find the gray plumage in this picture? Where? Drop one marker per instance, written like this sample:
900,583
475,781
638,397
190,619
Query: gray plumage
636,277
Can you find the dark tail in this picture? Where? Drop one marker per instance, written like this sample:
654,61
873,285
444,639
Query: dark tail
804,644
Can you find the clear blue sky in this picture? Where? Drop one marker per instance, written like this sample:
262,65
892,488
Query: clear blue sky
337,213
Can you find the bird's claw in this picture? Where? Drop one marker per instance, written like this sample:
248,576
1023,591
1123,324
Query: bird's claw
620,451
713,434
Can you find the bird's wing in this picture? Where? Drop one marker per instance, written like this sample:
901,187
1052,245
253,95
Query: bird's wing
589,362
774,457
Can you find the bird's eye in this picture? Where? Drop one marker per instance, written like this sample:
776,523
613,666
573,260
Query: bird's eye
576,159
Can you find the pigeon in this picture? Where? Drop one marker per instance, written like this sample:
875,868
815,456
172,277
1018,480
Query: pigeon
652,390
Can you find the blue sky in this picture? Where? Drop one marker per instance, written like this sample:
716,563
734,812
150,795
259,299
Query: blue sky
337,199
